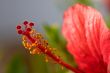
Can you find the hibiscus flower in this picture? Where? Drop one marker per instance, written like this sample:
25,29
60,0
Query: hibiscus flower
88,38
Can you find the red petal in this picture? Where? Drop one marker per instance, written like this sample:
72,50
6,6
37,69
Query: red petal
81,27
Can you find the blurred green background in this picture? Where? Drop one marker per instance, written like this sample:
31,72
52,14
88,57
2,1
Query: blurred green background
48,15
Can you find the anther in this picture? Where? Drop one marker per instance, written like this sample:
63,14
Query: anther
62,67
45,50
46,59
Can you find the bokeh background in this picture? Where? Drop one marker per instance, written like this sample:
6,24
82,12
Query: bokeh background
48,16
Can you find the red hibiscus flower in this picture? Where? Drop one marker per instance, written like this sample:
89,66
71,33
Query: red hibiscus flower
88,38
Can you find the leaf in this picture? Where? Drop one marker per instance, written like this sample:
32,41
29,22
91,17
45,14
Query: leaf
86,2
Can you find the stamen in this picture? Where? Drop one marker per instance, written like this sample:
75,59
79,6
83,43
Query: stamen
36,44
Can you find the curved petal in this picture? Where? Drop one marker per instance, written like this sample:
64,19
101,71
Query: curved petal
105,44
81,27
